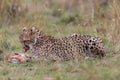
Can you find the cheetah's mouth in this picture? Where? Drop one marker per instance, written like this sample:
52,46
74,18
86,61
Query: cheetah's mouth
26,48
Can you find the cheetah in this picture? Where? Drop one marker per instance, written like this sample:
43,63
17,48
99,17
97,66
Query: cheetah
62,49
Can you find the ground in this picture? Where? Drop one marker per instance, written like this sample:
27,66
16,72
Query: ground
105,27
106,68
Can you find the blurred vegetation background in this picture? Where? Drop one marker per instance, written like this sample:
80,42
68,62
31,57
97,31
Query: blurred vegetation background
63,17
60,18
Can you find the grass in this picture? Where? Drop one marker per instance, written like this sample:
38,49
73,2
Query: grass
60,23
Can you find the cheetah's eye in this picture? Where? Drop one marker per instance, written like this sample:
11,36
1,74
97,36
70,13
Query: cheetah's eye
25,41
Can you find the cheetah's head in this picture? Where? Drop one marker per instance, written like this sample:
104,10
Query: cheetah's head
28,38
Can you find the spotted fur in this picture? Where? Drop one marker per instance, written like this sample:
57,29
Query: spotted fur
64,49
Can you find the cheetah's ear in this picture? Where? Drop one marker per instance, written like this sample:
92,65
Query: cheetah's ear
33,29
24,29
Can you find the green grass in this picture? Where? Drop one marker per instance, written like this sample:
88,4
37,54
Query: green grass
105,69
